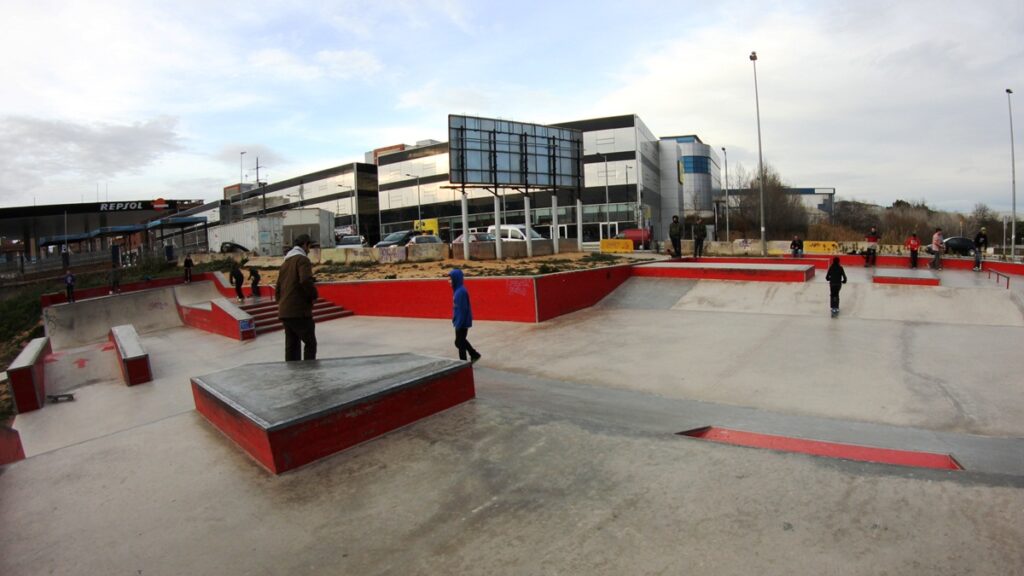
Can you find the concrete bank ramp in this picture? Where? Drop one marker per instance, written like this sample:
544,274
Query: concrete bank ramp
196,293
88,321
989,306
647,294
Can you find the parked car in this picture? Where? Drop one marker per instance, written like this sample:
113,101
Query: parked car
475,237
514,233
400,238
346,242
227,247
959,246
425,239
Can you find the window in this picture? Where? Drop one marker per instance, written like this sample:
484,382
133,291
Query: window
696,164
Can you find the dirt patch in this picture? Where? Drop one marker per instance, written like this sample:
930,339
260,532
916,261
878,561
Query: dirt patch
405,270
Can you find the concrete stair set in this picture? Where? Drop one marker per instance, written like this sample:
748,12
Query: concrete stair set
264,313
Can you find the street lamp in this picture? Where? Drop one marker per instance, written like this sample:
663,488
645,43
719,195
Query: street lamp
241,156
419,213
1013,185
760,159
726,154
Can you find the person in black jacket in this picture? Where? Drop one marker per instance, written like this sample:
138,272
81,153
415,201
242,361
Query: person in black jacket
980,245
836,277
237,280
254,279
797,247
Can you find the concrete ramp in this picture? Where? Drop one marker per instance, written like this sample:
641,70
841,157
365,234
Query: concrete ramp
974,306
196,293
76,367
647,294
89,321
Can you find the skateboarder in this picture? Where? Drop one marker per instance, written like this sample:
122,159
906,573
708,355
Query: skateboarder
69,285
836,277
675,235
188,268
980,245
462,316
295,294
254,279
913,244
237,280
936,249
115,279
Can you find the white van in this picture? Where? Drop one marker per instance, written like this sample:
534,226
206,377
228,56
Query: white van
514,233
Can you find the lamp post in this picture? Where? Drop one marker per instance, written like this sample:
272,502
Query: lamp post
241,157
1013,182
726,154
419,212
760,159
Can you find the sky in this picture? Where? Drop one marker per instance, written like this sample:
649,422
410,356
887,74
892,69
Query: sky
135,99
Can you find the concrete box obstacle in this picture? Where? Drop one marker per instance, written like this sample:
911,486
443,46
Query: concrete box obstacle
908,277
26,376
728,271
132,358
287,414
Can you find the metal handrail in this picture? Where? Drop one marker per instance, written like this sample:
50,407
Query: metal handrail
998,274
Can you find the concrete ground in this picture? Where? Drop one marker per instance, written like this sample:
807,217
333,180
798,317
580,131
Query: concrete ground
568,461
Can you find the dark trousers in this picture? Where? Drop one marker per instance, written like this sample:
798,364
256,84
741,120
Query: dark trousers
69,291
913,258
871,257
676,250
255,289
698,247
238,291
188,274
463,345
299,331
834,295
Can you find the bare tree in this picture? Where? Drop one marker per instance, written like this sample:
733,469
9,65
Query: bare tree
784,213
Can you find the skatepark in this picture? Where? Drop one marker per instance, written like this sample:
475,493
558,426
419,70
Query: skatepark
569,457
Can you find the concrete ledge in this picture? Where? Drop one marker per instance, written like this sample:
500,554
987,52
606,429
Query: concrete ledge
906,277
26,376
132,358
287,414
727,271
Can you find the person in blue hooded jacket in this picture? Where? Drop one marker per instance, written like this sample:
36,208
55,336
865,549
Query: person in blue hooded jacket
462,316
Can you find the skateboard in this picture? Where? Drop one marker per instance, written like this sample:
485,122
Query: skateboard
54,398
835,313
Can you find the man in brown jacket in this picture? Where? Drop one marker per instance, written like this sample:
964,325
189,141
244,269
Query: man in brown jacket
295,294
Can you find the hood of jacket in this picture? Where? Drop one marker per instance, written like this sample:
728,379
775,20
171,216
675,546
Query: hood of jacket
295,251
456,276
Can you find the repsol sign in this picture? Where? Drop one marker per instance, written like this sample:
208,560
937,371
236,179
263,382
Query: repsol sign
119,206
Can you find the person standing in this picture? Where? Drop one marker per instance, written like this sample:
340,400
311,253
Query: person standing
237,280
69,285
699,234
872,238
295,293
936,247
462,316
254,280
188,268
796,247
980,245
836,277
675,235
913,244
115,279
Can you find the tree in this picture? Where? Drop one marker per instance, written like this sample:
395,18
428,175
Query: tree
784,213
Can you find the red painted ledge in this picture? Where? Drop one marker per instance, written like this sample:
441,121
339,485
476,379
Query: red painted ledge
826,449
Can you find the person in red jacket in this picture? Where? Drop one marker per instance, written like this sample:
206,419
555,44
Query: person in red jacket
913,244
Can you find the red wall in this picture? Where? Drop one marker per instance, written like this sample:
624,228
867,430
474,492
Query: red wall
509,299
59,297
566,292
215,320
10,445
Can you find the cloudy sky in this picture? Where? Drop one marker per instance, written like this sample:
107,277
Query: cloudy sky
137,99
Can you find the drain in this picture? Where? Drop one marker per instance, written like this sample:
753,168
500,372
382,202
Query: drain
825,449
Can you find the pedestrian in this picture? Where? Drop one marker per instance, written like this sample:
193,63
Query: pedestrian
913,244
254,279
115,279
936,249
675,235
237,280
980,245
295,294
69,285
836,277
462,316
188,268
872,238
699,234
797,247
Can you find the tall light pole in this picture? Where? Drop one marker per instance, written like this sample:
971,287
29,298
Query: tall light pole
726,154
1013,180
760,159
241,157
419,212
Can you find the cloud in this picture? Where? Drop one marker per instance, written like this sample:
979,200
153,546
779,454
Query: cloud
33,150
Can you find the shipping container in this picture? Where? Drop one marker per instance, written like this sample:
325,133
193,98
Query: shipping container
319,224
262,236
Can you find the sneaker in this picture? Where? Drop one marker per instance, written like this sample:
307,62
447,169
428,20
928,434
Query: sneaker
473,359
